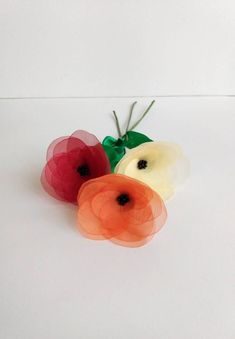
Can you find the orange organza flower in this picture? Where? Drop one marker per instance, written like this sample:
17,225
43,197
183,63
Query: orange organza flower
120,209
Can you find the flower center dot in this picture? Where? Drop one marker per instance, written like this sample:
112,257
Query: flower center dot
142,164
83,170
123,199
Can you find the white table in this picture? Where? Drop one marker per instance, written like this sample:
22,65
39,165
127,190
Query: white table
55,284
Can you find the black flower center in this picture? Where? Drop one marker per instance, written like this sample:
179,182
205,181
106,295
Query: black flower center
83,170
142,164
123,199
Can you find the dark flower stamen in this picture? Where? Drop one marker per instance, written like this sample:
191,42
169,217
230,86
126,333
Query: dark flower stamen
142,164
123,199
83,170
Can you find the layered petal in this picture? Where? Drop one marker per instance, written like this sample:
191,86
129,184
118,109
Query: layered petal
120,209
161,165
71,161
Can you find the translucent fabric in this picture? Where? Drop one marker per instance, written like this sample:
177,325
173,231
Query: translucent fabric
71,161
161,165
121,209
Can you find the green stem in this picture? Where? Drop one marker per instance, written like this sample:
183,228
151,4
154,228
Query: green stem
130,116
142,117
117,124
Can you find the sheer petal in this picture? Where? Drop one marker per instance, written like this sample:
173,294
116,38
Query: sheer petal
92,229
166,167
126,243
88,138
129,222
47,187
50,150
71,161
94,187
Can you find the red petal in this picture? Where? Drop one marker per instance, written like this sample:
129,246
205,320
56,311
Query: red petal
60,177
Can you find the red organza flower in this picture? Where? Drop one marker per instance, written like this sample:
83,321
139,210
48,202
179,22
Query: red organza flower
121,209
71,161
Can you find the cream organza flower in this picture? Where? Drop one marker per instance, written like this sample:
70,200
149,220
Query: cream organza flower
161,165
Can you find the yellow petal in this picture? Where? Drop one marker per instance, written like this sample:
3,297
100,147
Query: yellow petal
167,167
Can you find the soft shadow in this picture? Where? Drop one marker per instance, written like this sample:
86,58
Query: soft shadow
71,216
34,183
67,211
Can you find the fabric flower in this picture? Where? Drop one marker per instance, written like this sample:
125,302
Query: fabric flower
120,209
161,165
71,161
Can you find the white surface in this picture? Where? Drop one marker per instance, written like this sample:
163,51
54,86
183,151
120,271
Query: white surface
116,48
55,284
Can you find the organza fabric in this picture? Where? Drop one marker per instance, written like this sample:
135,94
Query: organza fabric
166,166
100,216
71,161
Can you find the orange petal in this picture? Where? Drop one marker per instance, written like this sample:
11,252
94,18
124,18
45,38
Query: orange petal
132,223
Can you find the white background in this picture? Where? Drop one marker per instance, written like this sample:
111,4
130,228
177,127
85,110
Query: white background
55,284
116,47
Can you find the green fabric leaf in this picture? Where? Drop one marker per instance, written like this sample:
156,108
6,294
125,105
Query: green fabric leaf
134,139
115,150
